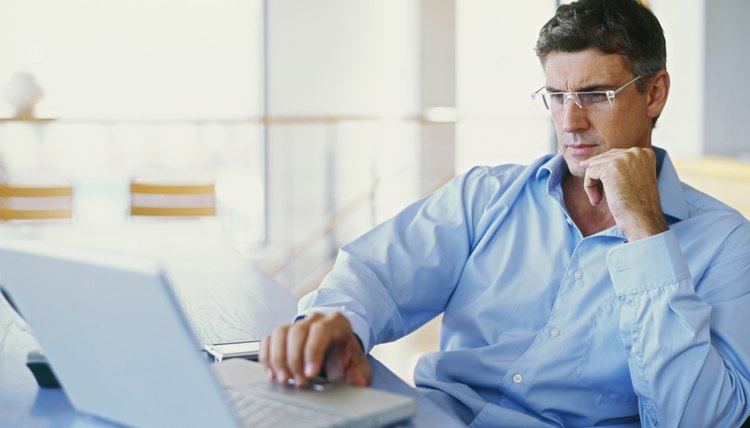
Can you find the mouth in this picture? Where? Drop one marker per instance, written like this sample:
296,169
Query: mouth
582,149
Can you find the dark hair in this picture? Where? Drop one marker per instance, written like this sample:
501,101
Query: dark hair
624,27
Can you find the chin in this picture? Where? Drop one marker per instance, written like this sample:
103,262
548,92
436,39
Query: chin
573,164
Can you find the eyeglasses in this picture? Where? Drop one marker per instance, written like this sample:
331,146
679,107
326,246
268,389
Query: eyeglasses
591,100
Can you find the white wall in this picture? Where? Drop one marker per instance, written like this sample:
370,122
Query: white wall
343,57
437,91
727,86
497,71
707,59
328,61
680,128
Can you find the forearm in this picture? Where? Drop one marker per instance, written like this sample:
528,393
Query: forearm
688,364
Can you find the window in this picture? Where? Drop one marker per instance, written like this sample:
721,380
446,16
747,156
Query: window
173,85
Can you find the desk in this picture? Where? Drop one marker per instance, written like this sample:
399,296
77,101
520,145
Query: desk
224,297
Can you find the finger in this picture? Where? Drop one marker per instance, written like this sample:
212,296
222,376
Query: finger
338,364
263,356
296,338
277,359
318,342
601,158
593,186
360,372
333,330
359,376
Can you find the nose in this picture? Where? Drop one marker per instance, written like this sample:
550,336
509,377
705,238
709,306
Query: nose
573,117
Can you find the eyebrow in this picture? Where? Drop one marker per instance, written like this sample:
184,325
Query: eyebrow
589,88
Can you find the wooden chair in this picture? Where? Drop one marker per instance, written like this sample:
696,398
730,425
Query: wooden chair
166,198
35,202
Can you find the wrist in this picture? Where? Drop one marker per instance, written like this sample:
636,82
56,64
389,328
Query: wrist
654,226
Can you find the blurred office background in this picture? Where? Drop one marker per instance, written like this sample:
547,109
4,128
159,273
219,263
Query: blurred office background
319,119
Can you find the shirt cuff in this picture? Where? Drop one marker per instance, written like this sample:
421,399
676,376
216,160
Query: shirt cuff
646,264
359,326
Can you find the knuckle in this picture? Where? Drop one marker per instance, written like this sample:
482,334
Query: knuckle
295,330
336,318
315,316
280,331
318,329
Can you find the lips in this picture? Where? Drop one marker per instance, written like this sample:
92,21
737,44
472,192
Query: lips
582,149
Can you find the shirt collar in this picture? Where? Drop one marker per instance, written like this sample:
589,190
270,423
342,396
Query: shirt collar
553,169
671,195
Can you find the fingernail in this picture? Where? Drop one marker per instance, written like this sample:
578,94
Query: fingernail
310,370
269,374
281,376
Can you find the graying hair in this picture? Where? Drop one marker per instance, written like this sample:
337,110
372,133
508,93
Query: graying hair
624,27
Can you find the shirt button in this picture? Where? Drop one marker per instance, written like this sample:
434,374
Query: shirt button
554,332
578,274
517,378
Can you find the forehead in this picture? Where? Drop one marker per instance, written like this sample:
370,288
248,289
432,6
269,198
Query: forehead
588,67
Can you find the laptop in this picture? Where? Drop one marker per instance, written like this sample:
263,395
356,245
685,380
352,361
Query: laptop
118,341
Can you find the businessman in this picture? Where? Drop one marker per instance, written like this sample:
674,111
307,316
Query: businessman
588,288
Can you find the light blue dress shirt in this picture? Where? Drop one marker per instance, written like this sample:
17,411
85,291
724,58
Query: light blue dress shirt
543,327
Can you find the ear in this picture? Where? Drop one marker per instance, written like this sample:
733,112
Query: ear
658,90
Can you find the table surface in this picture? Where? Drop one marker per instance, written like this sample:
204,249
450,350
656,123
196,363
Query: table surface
223,295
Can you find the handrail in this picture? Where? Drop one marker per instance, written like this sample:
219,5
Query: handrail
433,115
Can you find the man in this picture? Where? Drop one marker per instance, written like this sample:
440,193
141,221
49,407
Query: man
588,288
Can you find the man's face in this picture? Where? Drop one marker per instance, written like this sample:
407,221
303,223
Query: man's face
583,133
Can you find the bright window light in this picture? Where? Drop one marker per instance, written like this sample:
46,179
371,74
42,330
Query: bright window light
134,85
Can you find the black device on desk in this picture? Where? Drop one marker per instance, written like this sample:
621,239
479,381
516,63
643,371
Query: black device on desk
35,361
40,368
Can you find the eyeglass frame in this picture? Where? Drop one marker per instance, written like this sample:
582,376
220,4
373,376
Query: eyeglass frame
576,96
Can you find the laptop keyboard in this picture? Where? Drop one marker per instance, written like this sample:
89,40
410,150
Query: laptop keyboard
260,412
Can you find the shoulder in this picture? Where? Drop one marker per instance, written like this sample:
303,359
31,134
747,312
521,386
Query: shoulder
702,204
717,221
498,177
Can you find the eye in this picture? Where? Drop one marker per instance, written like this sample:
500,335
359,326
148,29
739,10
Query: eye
557,97
588,98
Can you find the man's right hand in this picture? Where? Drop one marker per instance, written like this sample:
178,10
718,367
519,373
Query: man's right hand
299,351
